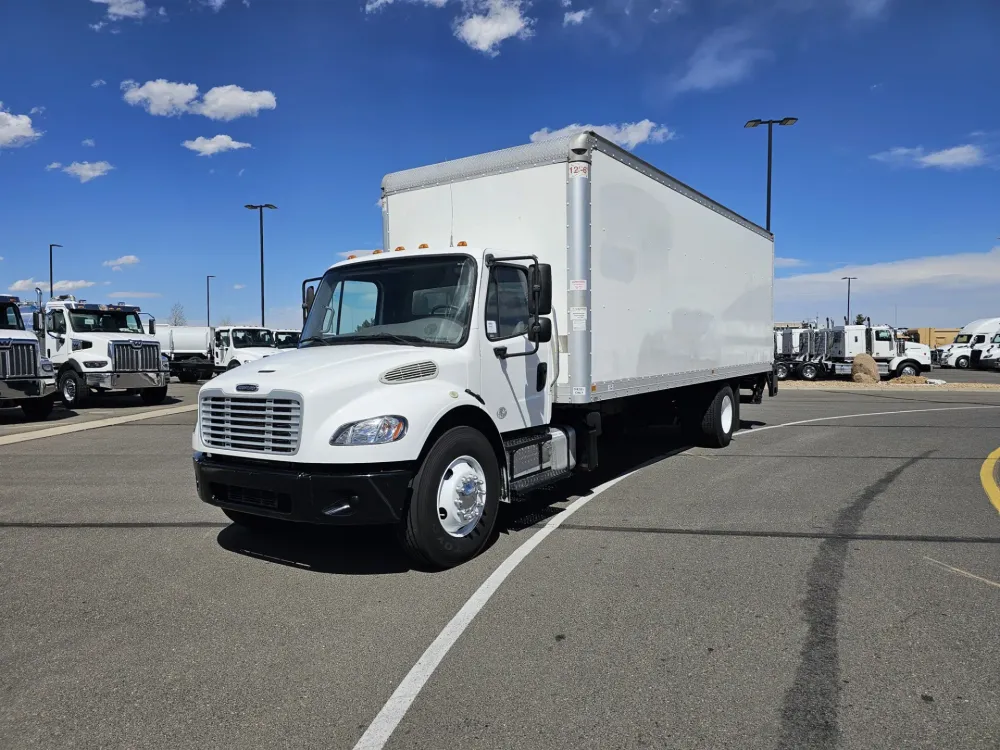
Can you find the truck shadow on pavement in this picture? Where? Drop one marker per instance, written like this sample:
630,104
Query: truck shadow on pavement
372,550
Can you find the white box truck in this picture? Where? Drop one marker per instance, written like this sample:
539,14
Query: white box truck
528,301
27,378
241,345
959,353
188,349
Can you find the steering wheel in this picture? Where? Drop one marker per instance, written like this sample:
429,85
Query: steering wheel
444,307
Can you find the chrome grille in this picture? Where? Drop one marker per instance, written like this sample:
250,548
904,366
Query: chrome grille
18,360
129,358
254,424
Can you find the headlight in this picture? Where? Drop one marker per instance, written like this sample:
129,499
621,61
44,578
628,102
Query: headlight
164,362
47,367
97,363
370,431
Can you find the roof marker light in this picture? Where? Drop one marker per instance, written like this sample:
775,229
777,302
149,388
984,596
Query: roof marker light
463,243
400,249
351,257
423,246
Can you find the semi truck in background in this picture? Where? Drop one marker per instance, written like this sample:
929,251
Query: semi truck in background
27,377
831,350
958,354
189,350
989,358
241,345
286,338
100,348
528,305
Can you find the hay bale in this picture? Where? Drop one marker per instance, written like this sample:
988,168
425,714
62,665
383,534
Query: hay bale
863,377
865,363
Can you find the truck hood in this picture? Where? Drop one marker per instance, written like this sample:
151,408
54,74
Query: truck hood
254,352
322,369
17,335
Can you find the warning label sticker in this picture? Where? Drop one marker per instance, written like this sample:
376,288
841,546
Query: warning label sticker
578,285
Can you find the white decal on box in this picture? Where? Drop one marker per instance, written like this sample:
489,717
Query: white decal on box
578,313
580,325
491,326
578,285
579,391
579,169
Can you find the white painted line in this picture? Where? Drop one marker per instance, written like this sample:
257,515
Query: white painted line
385,722
94,424
961,572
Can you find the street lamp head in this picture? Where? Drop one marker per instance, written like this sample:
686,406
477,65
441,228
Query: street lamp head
846,278
54,245
752,123
788,120
270,205
251,206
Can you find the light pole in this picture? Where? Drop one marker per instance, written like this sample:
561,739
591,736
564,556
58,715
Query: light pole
51,284
848,279
785,121
208,301
260,209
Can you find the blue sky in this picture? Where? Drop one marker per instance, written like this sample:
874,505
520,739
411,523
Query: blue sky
133,132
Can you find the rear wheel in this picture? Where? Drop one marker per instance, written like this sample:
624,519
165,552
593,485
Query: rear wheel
455,499
781,371
153,396
38,408
809,371
187,376
712,422
73,391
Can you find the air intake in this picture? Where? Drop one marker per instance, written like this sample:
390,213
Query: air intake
409,373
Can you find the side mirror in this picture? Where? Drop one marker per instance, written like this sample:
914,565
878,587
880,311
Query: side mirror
308,301
540,289
540,332
36,320
152,326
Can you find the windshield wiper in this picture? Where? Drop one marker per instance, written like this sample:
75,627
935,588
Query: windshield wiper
396,338
316,339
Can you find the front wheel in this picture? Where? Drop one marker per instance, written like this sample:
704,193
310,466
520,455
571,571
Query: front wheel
456,495
962,363
73,391
909,368
720,419
153,396
37,409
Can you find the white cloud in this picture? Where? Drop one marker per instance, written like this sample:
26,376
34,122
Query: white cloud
492,22
26,285
867,8
957,157
36,111
53,165
239,286
1,258
576,17
373,5
788,262
216,145
240,173
16,130
626,134
118,9
87,171
117,263
88,142
98,83
165,98
215,5
97,26
723,58
134,295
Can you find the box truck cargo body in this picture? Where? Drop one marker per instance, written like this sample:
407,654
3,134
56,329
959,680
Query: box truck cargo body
527,302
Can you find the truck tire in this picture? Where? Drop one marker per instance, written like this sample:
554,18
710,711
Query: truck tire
962,363
37,409
781,371
809,371
187,376
73,391
908,368
153,396
455,500
720,419
256,523
233,365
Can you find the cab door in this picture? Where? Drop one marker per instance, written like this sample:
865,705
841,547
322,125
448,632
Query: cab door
515,379
221,348
58,344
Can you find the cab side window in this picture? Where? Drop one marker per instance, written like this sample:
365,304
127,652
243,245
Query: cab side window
57,323
507,303
883,335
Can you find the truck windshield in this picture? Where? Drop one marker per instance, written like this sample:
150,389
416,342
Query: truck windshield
963,338
10,318
286,339
104,321
418,302
995,339
247,337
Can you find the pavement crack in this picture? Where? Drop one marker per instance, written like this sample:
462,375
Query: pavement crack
809,714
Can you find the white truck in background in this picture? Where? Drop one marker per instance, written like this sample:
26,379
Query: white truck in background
189,350
27,378
831,351
241,345
286,338
958,354
100,348
989,358
528,301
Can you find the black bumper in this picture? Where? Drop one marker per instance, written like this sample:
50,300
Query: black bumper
306,494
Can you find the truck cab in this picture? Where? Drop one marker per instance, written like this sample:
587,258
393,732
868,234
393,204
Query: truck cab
989,358
893,352
241,345
286,338
27,378
959,354
98,348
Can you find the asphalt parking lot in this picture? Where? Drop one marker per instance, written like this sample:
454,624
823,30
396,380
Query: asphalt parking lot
830,580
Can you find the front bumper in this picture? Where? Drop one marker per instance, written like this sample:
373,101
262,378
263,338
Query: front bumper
307,493
11,390
126,380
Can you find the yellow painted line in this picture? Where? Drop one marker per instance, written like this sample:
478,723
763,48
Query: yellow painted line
987,475
961,572
94,424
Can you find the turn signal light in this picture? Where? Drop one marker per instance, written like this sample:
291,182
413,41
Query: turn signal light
423,246
463,243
